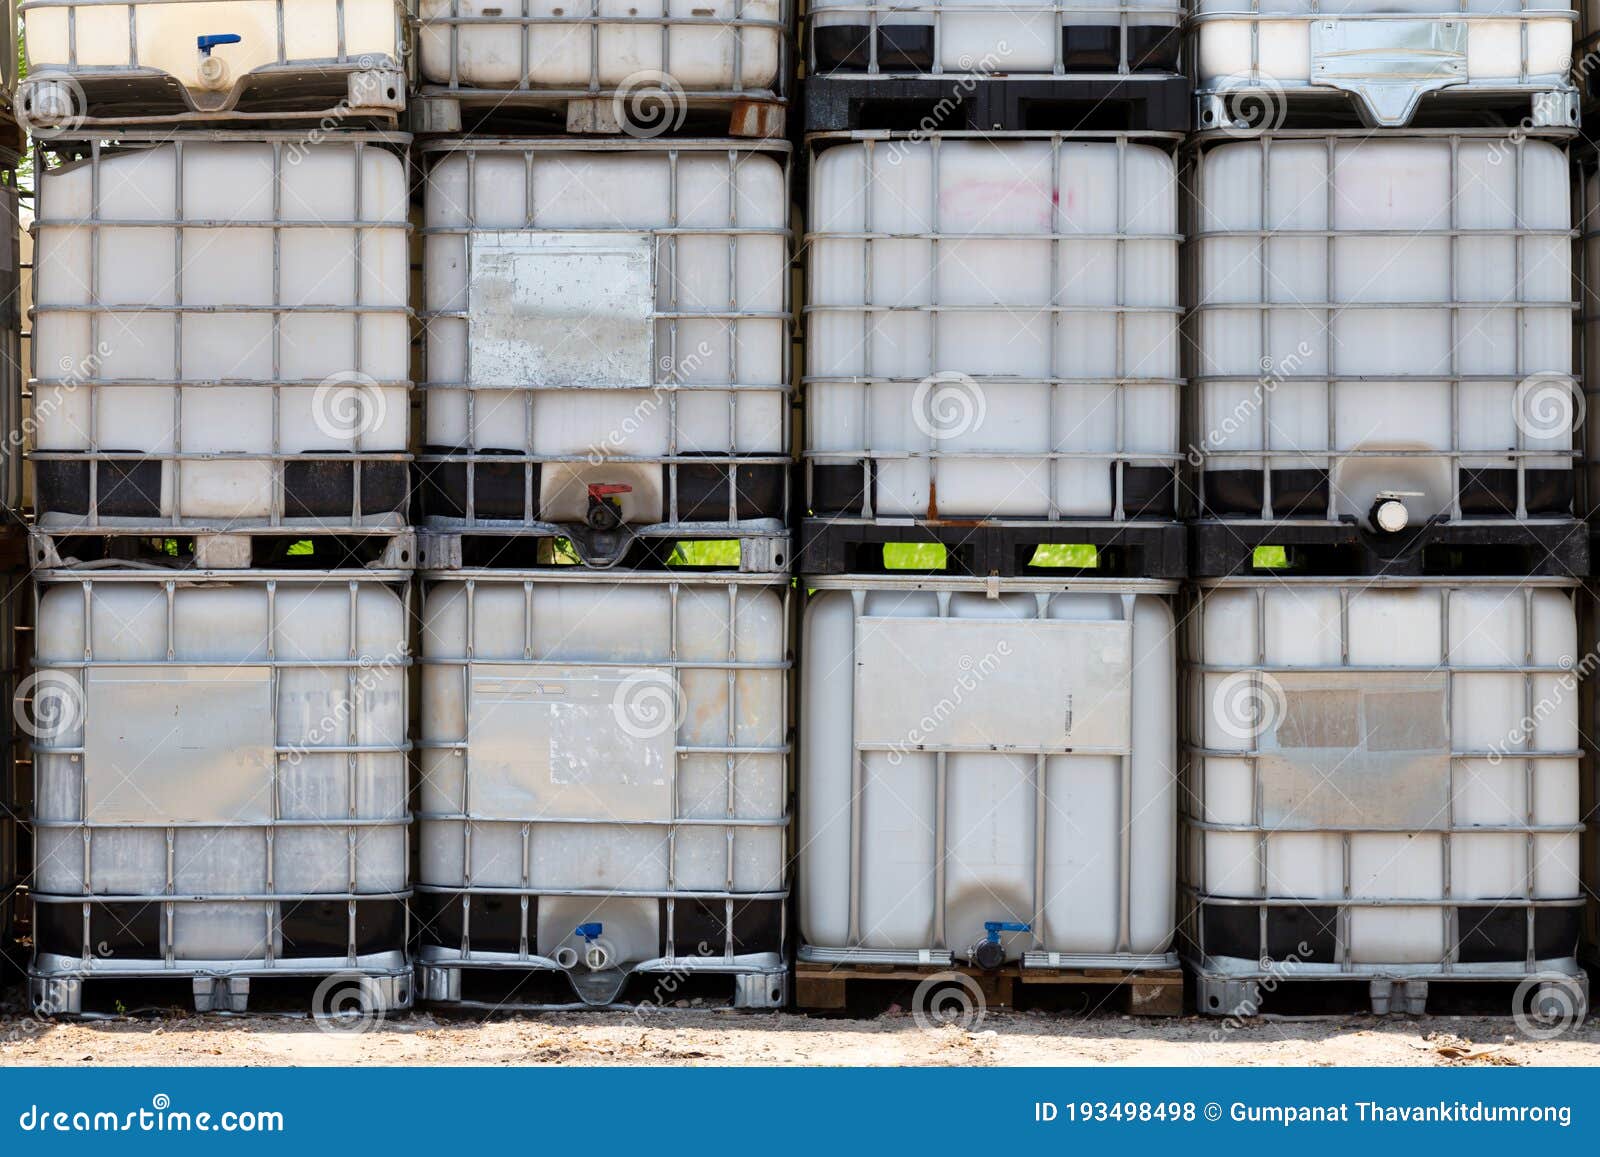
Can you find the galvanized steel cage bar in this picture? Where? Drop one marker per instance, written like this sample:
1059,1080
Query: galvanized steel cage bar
357,828
1119,455
1207,457
1122,17
1194,828
527,90
669,366
528,826
86,374
1038,955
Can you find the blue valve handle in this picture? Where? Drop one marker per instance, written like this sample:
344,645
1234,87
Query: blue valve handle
589,932
207,43
993,928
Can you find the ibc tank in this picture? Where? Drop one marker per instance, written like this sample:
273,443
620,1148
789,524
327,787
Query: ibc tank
723,48
974,753
1383,54
1382,780
220,776
606,314
1383,316
1015,39
220,335
12,432
610,752
13,796
164,61
993,327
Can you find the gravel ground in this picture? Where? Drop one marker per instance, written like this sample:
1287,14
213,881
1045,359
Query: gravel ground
699,1037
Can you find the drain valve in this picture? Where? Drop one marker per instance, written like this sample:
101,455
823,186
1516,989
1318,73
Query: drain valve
595,954
213,70
988,953
605,505
1389,513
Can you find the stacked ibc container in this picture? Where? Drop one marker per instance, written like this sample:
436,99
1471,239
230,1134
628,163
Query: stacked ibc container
603,493
1381,761
989,532
13,556
221,548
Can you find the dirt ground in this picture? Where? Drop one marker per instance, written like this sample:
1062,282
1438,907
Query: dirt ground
696,1037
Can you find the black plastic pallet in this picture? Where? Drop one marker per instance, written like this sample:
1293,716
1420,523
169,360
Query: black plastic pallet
1153,103
872,989
990,548
1220,548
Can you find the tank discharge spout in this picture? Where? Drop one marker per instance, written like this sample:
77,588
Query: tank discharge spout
596,956
988,953
213,70
1389,514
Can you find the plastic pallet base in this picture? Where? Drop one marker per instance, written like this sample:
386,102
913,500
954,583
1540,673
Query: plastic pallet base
1371,993
376,995
1154,103
467,985
829,987
1220,549
984,549
275,548
538,549
439,110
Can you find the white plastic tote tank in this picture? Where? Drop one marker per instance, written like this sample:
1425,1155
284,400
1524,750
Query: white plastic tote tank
13,796
607,336
1258,61
604,779
96,61
993,328
662,53
220,778
976,756
1383,319
1048,37
220,336
11,325
1383,781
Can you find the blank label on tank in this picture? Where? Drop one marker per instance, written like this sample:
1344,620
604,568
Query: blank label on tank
1355,750
176,744
572,742
977,684
561,309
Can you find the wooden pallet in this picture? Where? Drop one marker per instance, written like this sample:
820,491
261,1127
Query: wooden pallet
828,987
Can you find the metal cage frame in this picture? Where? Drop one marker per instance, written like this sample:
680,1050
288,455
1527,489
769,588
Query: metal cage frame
1117,457
72,377
762,965
1193,827
58,979
1267,379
